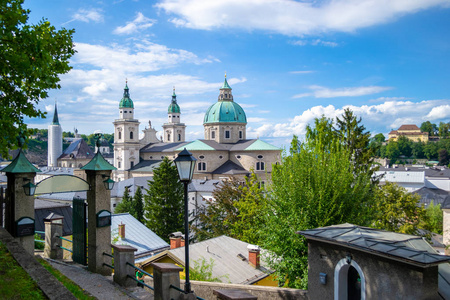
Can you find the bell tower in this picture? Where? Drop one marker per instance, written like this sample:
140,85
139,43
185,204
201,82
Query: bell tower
174,130
126,138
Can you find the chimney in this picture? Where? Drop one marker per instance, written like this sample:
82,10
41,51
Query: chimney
121,230
175,240
182,242
253,255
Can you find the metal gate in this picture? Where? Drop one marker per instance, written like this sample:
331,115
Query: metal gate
79,232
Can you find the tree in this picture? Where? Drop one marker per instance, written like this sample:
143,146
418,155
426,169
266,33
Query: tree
397,210
250,218
417,150
312,188
380,138
434,219
444,129
124,206
356,139
163,206
392,151
443,157
404,146
428,127
138,206
217,218
31,59
430,150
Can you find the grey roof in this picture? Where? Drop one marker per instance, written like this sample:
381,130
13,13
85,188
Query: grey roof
438,171
55,171
230,168
68,196
224,251
137,235
78,149
402,176
446,203
428,195
203,185
146,166
43,208
162,147
132,184
408,248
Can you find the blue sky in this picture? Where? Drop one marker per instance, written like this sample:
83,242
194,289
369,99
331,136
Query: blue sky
288,62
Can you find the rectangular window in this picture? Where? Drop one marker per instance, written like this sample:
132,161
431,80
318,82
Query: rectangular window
201,166
118,164
131,164
240,134
260,166
227,134
213,134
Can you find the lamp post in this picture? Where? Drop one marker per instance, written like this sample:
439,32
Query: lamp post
185,163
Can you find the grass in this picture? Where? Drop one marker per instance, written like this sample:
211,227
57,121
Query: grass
77,291
15,283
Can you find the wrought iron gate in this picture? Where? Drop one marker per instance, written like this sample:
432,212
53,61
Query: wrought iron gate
79,232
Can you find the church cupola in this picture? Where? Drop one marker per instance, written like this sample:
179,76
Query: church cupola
225,91
126,105
174,109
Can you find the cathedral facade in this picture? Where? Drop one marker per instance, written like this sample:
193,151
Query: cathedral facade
225,151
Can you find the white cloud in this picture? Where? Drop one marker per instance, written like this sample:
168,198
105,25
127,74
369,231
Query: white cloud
302,72
439,112
376,118
323,92
291,17
139,23
87,15
316,42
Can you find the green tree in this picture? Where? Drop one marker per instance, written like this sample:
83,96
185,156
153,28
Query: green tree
443,157
163,206
356,139
428,127
434,219
417,150
392,151
312,188
251,206
444,129
138,205
218,217
124,206
397,210
404,146
430,150
31,59
203,271
379,137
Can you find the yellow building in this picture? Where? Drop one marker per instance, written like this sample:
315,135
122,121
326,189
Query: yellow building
412,132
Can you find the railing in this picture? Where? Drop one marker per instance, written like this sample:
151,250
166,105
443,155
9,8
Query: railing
182,291
138,281
105,264
64,239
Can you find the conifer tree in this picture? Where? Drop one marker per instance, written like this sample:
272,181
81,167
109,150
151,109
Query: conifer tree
164,201
138,205
124,206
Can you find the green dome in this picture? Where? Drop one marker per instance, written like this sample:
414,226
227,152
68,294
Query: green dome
174,107
225,111
126,101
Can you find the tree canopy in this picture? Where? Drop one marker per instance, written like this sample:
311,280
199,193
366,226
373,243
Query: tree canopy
32,57
164,201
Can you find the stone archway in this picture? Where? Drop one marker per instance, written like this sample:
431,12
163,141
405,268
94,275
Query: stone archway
349,280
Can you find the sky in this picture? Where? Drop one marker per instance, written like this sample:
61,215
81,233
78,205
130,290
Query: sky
288,62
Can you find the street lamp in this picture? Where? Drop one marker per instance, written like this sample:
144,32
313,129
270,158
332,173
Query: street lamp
29,188
185,163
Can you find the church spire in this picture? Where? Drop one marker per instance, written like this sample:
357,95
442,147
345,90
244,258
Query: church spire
126,100
55,116
174,107
225,91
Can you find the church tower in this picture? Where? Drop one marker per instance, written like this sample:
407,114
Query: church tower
55,141
126,137
225,121
174,131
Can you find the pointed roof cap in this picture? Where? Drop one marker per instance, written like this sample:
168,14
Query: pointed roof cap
20,165
55,116
126,100
225,84
98,163
174,107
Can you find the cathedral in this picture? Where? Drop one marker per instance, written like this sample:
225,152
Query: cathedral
225,150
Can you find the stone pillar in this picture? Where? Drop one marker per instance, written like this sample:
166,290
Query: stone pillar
233,295
99,238
165,275
52,241
122,255
19,205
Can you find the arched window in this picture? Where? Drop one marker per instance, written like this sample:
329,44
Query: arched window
179,137
168,137
260,166
131,135
120,135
